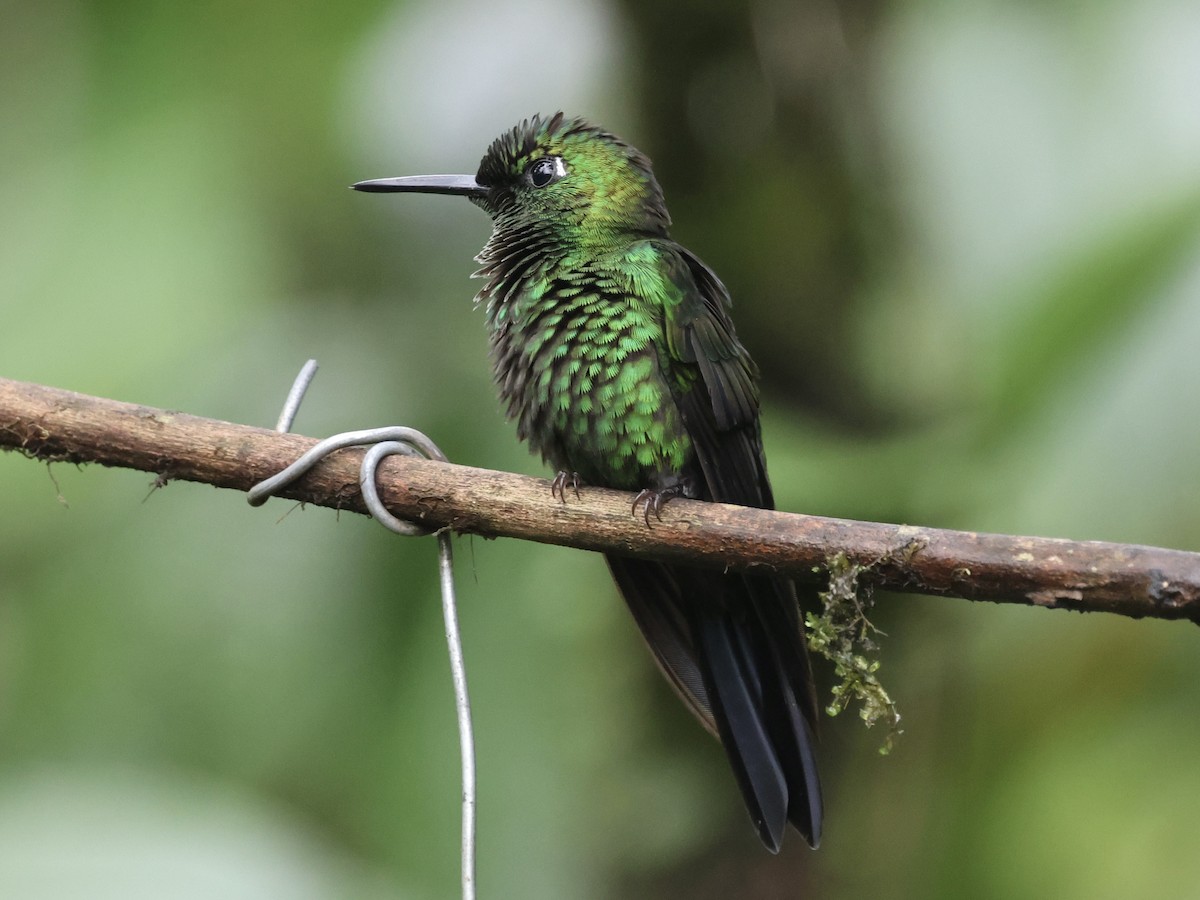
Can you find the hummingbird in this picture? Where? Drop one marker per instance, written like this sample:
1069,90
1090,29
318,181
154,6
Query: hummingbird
614,352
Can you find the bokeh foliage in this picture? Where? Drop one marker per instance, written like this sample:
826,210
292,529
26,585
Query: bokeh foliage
964,244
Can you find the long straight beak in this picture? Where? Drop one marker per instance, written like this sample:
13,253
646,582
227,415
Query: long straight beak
460,185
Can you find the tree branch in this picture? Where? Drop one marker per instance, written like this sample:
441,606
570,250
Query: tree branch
50,424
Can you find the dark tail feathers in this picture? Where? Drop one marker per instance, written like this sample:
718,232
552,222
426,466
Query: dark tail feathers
732,647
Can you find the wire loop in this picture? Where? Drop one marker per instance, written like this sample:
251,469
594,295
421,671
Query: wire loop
384,442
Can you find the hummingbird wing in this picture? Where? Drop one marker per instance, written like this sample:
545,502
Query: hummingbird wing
721,412
731,644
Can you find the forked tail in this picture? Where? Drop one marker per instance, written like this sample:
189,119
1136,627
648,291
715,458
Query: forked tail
732,647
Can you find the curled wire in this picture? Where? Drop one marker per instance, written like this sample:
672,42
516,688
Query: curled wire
295,396
386,442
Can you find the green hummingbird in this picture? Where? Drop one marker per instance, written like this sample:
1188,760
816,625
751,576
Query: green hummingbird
614,351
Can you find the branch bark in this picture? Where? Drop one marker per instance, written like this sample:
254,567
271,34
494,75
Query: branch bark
50,424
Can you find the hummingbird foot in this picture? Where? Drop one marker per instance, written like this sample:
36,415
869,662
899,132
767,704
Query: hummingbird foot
652,500
563,480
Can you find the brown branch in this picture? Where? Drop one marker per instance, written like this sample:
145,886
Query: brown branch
50,424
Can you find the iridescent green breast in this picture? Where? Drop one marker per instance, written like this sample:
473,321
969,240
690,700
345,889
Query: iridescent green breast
579,357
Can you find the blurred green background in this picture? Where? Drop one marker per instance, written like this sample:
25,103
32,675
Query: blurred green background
964,245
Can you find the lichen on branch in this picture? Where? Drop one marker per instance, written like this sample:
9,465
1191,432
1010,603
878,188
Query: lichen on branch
843,634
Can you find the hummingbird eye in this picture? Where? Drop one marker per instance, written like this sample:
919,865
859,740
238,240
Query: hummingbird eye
546,170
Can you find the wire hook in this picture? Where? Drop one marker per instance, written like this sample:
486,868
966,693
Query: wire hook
386,442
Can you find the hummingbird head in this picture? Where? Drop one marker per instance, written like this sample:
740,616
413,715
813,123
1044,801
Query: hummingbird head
567,171
555,173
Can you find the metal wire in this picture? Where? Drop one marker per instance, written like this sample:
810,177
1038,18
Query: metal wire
295,397
408,442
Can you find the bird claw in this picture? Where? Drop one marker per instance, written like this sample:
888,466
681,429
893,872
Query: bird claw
654,501
558,487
